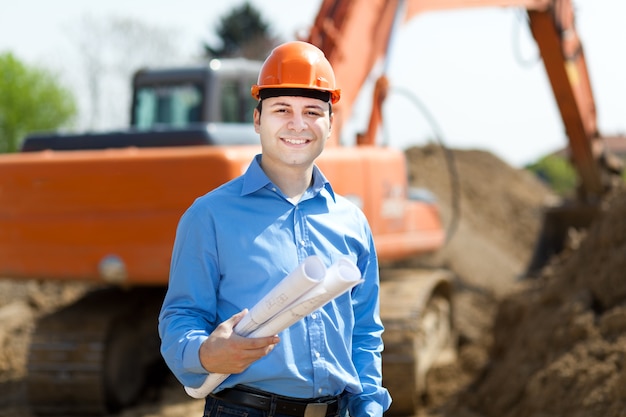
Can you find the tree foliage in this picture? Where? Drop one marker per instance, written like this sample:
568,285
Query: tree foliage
32,99
243,33
557,172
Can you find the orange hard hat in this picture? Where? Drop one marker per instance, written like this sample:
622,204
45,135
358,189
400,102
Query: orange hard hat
297,65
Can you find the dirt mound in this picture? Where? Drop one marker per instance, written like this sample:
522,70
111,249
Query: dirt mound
499,212
493,212
560,341
504,202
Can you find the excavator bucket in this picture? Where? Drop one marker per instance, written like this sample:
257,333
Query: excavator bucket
558,221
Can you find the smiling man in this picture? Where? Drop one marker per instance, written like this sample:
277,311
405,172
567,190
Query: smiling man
234,244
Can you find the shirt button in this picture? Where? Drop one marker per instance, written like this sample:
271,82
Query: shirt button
319,391
302,243
317,355
313,316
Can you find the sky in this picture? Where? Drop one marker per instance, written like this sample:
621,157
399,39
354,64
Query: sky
475,73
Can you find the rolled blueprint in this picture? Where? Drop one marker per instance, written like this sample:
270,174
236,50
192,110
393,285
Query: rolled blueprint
339,278
307,275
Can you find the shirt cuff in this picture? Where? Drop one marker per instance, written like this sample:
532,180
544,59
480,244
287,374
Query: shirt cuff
191,355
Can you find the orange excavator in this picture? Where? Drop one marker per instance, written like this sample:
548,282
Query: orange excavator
103,208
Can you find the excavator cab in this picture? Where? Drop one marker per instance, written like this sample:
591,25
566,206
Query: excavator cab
178,97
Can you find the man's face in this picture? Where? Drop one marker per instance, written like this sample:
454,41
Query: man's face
293,130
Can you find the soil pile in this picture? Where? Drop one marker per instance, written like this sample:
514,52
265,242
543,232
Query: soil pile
493,213
557,344
560,342
498,212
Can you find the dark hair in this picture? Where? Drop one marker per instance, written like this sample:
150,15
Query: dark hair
297,92
294,92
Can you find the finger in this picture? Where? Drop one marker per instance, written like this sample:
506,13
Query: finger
252,354
232,321
253,343
236,318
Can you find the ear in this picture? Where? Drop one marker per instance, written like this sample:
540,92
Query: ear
330,124
257,121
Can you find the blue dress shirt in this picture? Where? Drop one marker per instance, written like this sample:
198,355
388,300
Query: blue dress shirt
233,245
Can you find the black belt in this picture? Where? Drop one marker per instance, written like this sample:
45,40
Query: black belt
262,400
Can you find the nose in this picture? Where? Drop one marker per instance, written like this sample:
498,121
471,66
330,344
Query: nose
297,122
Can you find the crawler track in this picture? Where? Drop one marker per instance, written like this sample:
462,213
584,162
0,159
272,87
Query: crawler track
416,309
92,357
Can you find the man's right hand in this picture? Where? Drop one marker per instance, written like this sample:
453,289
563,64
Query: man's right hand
225,352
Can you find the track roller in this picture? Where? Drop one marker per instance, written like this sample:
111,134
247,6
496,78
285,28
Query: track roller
416,309
92,357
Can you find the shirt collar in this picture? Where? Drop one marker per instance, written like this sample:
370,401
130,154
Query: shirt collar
255,178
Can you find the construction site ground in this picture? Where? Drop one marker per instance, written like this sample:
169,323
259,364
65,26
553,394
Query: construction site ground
550,346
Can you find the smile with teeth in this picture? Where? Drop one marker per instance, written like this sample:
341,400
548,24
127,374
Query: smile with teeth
295,141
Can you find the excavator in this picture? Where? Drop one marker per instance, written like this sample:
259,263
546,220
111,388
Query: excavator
102,208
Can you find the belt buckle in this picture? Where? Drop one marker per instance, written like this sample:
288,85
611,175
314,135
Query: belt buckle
315,410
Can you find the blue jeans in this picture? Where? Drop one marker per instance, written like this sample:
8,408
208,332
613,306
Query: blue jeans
215,407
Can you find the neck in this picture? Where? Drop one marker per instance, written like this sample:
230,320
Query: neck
293,182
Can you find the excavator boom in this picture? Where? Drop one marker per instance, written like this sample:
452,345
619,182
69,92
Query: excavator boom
340,25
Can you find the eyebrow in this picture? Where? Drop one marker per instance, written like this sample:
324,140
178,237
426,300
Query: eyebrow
308,106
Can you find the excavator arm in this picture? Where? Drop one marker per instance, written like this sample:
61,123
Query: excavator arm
564,60
356,36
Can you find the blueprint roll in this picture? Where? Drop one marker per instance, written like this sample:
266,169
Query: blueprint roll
310,273
307,275
340,277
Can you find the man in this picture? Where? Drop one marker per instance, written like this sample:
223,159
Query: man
234,244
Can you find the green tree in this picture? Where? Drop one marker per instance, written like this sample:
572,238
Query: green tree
243,33
557,172
31,99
